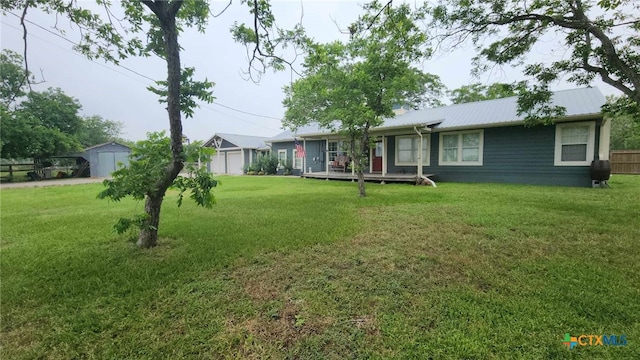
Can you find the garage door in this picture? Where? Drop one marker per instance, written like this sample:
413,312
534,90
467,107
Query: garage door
234,163
108,162
218,163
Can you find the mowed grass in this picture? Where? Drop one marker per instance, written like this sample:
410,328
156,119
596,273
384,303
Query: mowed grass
293,268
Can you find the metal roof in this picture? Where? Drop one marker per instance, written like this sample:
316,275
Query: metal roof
498,112
107,143
241,141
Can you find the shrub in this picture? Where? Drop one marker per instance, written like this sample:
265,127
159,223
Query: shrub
288,167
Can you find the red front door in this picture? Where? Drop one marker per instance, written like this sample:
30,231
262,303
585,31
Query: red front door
376,158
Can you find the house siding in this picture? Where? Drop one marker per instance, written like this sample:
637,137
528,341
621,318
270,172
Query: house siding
511,154
245,154
515,154
391,156
275,147
315,155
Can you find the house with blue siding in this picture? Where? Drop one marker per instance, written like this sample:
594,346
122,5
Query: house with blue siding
234,151
483,141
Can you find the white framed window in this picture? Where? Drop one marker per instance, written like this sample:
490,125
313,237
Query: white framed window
461,148
334,149
282,158
575,144
297,161
408,147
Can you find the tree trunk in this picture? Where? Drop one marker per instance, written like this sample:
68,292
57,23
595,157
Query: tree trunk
166,13
149,233
361,189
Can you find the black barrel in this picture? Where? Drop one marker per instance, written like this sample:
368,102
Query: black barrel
600,170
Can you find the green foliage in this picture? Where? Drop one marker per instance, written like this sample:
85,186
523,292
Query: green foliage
44,124
14,78
40,124
125,224
600,39
625,123
288,167
148,162
266,43
201,184
96,130
350,87
190,90
479,92
265,163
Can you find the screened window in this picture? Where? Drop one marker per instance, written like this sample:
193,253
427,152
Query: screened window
297,161
461,148
282,158
574,143
335,148
408,147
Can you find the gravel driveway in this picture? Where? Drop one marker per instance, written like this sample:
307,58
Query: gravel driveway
53,182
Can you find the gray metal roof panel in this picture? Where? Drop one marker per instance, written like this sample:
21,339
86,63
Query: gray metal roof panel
244,141
583,101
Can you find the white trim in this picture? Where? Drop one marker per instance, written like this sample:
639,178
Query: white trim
459,161
591,139
605,140
281,166
295,159
384,155
326,155
428,148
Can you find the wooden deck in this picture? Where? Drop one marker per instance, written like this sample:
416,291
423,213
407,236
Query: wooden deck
411,178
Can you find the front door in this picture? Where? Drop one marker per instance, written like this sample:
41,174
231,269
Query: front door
376,157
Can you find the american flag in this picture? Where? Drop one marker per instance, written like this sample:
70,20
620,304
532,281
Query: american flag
299,149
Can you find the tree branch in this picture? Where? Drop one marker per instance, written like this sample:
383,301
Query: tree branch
24,39
604,74
221,11
257,50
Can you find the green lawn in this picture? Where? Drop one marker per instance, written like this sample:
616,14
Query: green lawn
293,268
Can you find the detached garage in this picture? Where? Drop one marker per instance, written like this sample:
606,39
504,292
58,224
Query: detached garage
104,158
233,152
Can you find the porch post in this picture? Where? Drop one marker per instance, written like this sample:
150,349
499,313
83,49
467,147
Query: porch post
326,155
384,155
419,153
242,153
304,158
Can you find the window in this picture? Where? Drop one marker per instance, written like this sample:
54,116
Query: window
461,148
282,158
297,161
574,144
335,148
407,148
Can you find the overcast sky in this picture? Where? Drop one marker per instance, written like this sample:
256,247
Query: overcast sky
117,94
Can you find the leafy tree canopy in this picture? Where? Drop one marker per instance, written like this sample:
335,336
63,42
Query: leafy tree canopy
480,92
350,87
14,77
625,123
97,130
600,39
148,161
